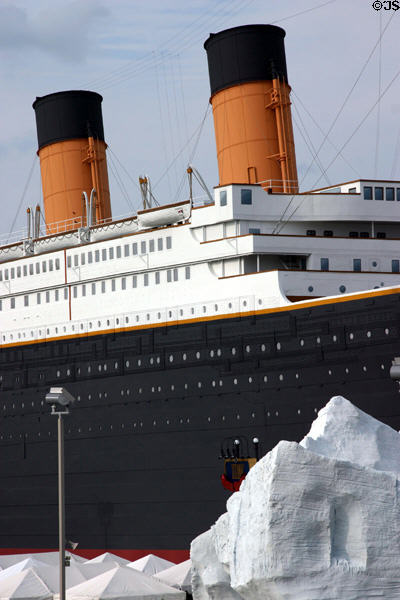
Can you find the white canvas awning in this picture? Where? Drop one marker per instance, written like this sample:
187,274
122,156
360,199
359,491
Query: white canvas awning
151,564
26,585
179,576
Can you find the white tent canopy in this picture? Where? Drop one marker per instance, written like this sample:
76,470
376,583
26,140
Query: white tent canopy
90,570
151,564
25,585
51,558
49,574
106,557
179,576
123,583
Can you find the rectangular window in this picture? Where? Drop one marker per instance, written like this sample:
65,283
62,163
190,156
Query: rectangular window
367,192
118,251
111,253
169,275
175,274
356,264
104,254
68,262
6,274
159,244
26,300
57,264
75,292
254,230
47,296
134,248
187,272
12,302
352,190
83,259
1,275
223,198
103,287
151,246
364,234
24,270
65,293
12,271
18,271
324,264
146,279
97,255
134,281
93,289
126,250
390,194
328,233
76,260
56,295
31,269
44,266
169,242
379,193
245,197
1,305
142,247
123,283
398,194
50,264
381,235
311,232
157,277
395,266
90,257
83,290
113,285
353,234
38,298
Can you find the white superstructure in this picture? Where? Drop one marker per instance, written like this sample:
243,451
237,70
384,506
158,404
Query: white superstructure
249,251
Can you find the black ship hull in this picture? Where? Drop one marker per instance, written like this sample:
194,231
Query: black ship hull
142,440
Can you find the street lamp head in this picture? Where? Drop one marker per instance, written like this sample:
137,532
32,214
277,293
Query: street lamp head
60,396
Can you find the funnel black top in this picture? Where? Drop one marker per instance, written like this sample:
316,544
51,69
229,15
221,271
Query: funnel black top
68,115
247,53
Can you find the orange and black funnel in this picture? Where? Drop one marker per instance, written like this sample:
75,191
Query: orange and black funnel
251,107
72,154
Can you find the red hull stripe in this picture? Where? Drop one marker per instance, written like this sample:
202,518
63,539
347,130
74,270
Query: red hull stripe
176,556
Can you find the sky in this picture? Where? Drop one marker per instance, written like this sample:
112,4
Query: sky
148,62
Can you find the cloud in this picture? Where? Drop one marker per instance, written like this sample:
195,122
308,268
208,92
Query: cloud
61,31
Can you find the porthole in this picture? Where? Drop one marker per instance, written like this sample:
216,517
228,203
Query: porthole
158,388
277,413
265,378
104,367
259,301
263,348
351,336
369,334
299,411
115,365
98,323
329,372
310,288
151,361
219,352
347,370
221,383
158,315
122,392
248,348
334,338
297,375
212,353
89,369
99,368
278,346
108,322
364,368
140,390
172,387
268,414
78,398
244,302
197,355
250,380
238,417
253,415
216,307
171,358
126,319
153,389
58,373
281,376
105,394
158,360
139,362
181,312
387,332
382,367
128,391
318,340
186,386
229,304
117,321
127,363
233,351
199,384
235,381
89,396
342,289
148,316
301,342
209,419
213,383
315,410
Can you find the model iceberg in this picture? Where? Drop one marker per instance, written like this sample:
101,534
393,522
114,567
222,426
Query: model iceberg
317,520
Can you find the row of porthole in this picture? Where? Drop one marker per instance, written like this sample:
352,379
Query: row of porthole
276,413
134,425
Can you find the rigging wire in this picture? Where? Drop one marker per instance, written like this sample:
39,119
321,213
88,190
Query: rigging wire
120,183
323,132
28,180
396,155
335,121
164,139
378,116
303,12
344,145
308,142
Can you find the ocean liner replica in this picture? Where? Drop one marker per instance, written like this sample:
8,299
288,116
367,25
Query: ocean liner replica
185,325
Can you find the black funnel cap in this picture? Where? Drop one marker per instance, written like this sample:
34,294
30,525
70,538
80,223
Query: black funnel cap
246,53
68,115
